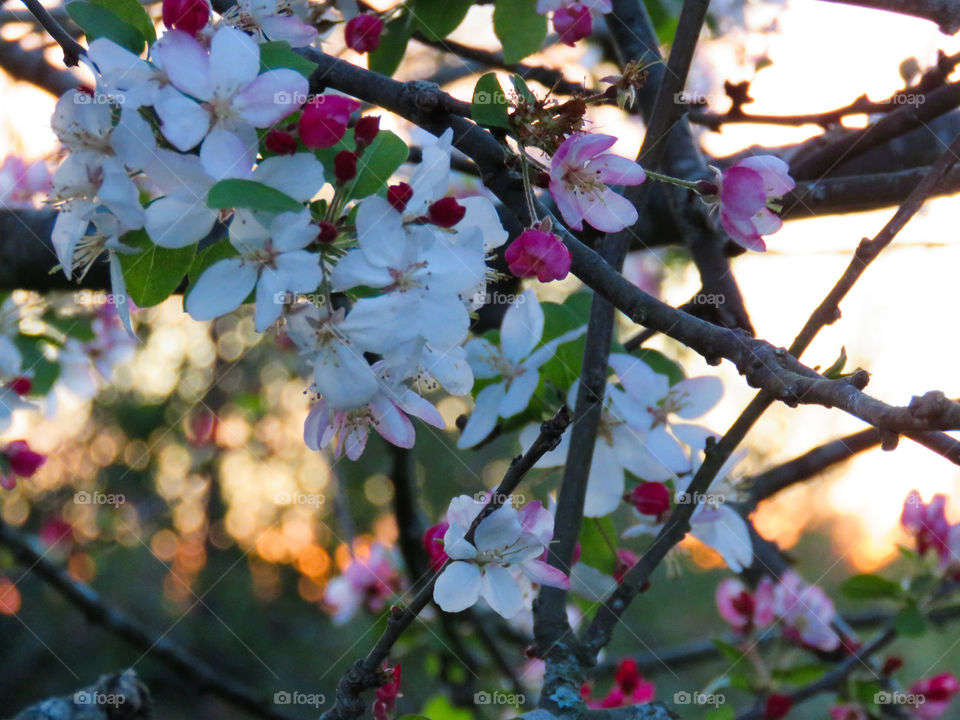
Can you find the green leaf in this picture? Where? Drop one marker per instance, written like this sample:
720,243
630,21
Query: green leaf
870,587
521,88
75,326
43,373
594,550
378,163
519,27
277,54
724,712
393,45
236,193
132,13
153,274
910,621
800,674
660,363
489,105
835,371
438,18
97,22
439,708
728,651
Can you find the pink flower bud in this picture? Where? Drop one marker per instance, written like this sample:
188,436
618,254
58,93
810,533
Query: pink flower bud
540,254
387,694
23,461
446,212
324,120
345,166
281,143
363,33
366,130
190,16
399,195
626,559
433,542
573,23
650,498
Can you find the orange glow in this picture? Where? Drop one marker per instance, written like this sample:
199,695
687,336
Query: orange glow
10,599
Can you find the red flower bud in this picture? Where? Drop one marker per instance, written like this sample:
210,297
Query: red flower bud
538,253
20,385
399,195
281,143
345,166
777,706
328,232
650,498
363,33
190,16
433,542
23,461
446,212
366,130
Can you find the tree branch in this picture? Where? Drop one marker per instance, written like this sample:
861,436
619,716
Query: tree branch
945,13
72,50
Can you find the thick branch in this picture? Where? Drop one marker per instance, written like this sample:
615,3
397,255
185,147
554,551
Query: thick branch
945,13
112,697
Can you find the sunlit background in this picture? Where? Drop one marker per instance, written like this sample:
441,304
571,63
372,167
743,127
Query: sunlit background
236,491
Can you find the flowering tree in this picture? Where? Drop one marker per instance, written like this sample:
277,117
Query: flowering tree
227,156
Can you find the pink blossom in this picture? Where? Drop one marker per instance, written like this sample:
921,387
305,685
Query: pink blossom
433,542
573,23
806,611
363,33
538,253
324,120
743,610
387,694
21,181
747,189
650,498
629,688
370,580
190,16
386,413
579,174
927,523
937,693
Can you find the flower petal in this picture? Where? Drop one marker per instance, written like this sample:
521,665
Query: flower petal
501,591
458,587
484,416
221,288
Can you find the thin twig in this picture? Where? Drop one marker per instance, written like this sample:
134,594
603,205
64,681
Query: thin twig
72,50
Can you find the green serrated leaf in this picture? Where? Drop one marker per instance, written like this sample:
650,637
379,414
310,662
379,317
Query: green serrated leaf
132,13
237,193
393,45
277,54
867,586
97,22
438,18
489,105
153,274
910,621
519,27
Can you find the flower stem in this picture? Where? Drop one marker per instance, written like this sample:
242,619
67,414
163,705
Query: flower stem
689,184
